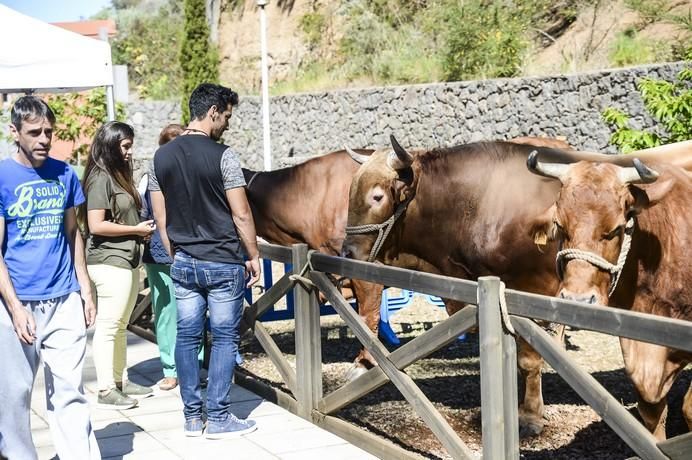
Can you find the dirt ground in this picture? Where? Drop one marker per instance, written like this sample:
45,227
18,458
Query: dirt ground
450,379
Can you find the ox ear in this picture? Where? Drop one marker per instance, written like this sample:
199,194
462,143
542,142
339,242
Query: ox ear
357,157
643,198
399,159
543,230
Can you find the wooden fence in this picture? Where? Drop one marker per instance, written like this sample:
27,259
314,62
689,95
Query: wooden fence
497,354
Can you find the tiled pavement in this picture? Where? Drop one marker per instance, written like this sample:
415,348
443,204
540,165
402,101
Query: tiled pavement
153,430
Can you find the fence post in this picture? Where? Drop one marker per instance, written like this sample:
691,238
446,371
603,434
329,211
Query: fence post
509,382
308,340
492,389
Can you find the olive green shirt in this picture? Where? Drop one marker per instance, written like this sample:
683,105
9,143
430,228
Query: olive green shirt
102,192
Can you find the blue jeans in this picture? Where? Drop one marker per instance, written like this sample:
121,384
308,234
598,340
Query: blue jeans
201,285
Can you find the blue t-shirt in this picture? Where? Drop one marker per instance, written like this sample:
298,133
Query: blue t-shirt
36,250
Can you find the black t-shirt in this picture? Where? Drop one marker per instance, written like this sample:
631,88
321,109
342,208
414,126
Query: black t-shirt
188,171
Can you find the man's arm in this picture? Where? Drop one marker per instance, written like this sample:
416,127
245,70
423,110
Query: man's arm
74,238
244,223
22,319
158,207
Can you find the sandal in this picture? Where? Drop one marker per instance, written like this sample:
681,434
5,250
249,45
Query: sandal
168,383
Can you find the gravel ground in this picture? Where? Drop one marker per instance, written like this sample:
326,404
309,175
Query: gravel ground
450,379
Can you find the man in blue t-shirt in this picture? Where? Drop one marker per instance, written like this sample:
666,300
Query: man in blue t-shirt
42,271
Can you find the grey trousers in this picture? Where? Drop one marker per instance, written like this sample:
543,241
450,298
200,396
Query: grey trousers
61,343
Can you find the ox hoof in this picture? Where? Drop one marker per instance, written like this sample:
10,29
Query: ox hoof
530,426
354,372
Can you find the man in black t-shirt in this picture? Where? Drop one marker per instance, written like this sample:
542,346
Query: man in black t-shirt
202,213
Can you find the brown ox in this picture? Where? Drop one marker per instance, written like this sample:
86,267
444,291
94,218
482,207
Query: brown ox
307,203
597,216
466,211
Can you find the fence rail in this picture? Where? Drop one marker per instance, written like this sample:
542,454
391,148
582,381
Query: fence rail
497,353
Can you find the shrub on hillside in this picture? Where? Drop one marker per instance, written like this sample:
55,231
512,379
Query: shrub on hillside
485,40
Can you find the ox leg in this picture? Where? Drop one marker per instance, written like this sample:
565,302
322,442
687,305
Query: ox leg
453,306
687,407
531,410
654,415
652,373
369,296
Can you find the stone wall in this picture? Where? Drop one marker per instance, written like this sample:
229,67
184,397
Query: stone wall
430,115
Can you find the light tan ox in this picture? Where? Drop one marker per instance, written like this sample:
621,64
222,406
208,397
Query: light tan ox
601,210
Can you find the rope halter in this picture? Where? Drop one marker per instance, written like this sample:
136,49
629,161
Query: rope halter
382,229
615,270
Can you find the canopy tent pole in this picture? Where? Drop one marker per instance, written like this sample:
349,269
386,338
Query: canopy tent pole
110,94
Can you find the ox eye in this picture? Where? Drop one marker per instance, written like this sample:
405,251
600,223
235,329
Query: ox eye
378,197
613,233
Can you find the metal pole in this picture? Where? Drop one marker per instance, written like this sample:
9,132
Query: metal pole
265,87
110,95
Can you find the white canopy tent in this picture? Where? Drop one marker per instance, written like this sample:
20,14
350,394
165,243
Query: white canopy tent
37,56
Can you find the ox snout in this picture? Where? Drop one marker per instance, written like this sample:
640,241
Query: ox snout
354,248
347,252
591,297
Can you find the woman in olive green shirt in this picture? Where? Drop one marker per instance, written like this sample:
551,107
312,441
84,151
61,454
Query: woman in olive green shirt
113,258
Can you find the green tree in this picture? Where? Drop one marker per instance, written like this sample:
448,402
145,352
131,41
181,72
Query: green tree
148,44
199,58
669,103
78,116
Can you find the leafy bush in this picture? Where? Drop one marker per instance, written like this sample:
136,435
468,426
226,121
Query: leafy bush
199,58
483,39
669,103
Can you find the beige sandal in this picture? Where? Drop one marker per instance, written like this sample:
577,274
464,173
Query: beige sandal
168,383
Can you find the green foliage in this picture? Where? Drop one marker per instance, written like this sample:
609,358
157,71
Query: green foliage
199,58
313,26
684,21
78,116
386,50
5,135
397,12
650,10
487,40
148,44
483,41
669,103
629,49
125,4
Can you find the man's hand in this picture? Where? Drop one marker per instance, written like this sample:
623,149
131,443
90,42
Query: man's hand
24,325
89,310
252,271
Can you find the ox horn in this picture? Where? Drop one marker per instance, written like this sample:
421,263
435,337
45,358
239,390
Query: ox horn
357,157
638,174
400,159
554,170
